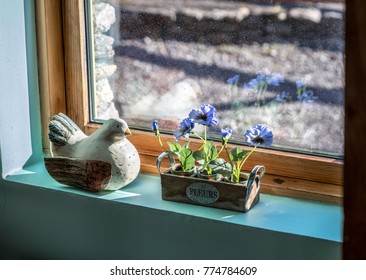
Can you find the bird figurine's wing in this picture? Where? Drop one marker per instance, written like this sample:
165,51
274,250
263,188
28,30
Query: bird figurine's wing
125,163
63,131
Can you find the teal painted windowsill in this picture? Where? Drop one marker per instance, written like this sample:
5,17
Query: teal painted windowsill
274,213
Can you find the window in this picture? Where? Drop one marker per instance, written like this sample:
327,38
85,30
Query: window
291,174
276,63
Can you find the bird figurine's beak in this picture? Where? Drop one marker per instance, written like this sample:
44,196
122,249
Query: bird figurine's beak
128,132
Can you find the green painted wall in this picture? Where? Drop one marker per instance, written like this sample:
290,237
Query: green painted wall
45,224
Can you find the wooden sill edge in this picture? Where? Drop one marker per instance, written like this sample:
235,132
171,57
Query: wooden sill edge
288,187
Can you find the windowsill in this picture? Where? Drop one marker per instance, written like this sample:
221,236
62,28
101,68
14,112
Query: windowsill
273,213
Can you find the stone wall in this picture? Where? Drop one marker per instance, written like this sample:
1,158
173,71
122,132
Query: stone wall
315,26
104,67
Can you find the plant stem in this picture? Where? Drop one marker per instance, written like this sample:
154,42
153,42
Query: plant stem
231,162
237,172
203,140
264,90
224,145
161,143
245,159
195,134
228,156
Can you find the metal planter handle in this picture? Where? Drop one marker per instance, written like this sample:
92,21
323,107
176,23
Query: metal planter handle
253,185
160,159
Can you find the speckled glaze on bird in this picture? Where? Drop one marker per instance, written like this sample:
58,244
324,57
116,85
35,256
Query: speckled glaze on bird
108,144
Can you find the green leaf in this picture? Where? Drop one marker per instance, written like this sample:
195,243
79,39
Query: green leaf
237,154
175,147
186,159
210,150
220,166
189,163
207,146
213,152
186,145
199,156
185,153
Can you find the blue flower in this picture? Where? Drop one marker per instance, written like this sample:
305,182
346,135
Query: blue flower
263,80
274,80
205,115
259,135
283,96
184,129
256,82
155,127
300,84
307,97
226,133
233,80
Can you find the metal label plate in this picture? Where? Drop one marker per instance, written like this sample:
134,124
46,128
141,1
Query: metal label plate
202,193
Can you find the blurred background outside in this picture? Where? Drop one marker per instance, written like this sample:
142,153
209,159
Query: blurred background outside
279,63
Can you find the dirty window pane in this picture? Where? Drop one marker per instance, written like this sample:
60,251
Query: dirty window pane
279,63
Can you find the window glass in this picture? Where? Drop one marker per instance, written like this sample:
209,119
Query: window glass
279,63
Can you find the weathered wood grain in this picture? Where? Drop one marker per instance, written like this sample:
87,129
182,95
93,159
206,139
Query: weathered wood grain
232,196
91,175
75,61
51,61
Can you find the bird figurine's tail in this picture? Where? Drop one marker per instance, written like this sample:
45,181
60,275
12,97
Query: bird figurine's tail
63,131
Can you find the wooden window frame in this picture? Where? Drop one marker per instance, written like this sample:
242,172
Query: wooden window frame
63,84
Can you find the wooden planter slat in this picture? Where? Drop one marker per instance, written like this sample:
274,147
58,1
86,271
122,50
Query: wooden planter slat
210,193
229,196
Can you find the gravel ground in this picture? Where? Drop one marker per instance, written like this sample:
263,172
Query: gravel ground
150,65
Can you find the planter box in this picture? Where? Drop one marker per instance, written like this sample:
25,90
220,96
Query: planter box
217,194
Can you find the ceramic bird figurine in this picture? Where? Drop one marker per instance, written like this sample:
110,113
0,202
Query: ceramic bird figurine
108,144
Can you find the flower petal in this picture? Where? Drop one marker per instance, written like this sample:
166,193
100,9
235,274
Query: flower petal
259,135
155,125
226,133
204,115
184,129
233,80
